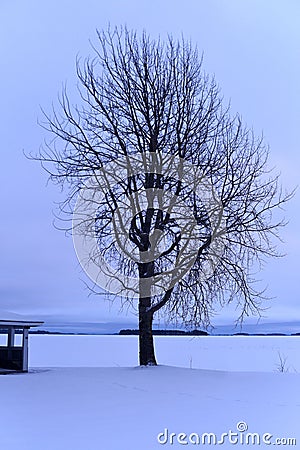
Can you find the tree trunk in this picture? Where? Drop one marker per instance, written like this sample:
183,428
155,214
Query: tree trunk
146,344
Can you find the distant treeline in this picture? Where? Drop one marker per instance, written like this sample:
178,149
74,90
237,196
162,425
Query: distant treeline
167,332
199,333
129,332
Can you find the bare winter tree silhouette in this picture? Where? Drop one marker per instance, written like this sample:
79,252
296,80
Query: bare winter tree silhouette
172,196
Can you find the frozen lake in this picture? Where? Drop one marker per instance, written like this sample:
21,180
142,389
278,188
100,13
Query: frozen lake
86,393
232,353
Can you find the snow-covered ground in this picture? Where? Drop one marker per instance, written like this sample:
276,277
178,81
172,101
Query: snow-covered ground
221,385
230,353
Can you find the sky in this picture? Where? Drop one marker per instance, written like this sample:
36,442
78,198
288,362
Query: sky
252,48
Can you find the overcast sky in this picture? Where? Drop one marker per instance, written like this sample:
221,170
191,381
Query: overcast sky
252,47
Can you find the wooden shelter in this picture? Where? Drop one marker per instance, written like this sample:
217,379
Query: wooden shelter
12,356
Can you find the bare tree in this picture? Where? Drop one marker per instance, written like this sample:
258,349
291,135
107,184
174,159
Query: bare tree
175,191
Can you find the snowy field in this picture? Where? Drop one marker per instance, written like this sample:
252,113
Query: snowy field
86,393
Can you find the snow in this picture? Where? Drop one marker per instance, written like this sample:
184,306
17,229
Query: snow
114,405
230,353
11,316
8,315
